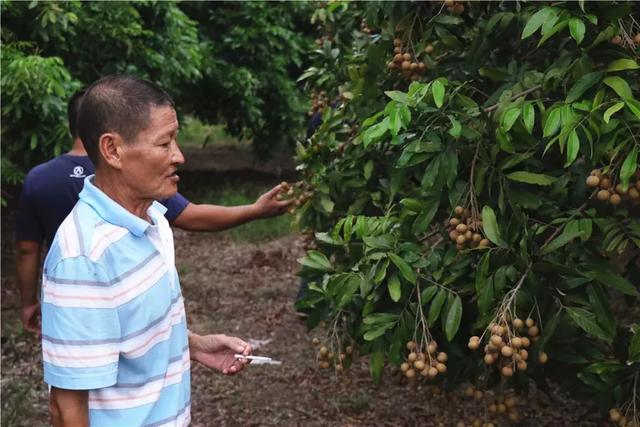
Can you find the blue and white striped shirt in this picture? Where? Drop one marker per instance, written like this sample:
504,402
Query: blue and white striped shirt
113,319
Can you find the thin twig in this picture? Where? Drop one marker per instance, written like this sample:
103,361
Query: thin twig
513,98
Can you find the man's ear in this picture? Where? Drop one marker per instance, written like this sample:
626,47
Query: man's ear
110,146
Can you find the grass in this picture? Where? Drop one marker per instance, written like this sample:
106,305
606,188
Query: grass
243,194
194,133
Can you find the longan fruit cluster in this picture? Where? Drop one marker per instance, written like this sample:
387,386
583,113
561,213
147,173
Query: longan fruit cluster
404,63
429,363
454,7
501,405
465,230
506,348
319,100
611,194
616,417
617,39
300,192
326,357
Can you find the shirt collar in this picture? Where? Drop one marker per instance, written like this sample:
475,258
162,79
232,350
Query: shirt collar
113,213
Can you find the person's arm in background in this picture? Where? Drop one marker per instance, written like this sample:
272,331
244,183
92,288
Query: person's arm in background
69,407
27,272
29,241
203,217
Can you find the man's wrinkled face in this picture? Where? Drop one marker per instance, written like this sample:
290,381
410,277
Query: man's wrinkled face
149,163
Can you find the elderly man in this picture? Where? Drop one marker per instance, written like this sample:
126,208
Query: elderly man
51,190
115,343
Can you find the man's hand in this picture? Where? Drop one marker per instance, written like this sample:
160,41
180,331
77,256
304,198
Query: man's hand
30,316
268,204
218,352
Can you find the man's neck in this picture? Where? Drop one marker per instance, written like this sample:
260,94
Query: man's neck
108,184
78,148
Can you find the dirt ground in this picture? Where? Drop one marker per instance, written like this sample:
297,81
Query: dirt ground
247,289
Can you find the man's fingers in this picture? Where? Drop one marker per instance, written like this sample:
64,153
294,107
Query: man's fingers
274,191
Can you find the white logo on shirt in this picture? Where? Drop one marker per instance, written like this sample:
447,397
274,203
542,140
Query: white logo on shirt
78,172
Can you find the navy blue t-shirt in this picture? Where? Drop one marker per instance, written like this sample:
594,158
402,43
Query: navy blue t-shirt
51,191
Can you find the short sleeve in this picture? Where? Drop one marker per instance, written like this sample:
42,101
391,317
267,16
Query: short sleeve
175,205
81,331
28,227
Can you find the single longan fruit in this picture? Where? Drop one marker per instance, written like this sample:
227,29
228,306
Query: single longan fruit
507,371
397,42
511,401
488,359
407,57
543,357
432,347
442,357
419,365
506,351
433,372
454,222
484,243
477,395
633,193
502,408
410,373
496,340
468,391
615,199
614,415
315,341
453,235
406,65
524,354
636,38
461,239
596,172
324,351
473,345
522,365
620,189
441,367
412,357
459,210
493,408
518,323
529,322
533,331
617,40
476,237
428,49
605,183
411,345
593,181
461,228
525,342
516,342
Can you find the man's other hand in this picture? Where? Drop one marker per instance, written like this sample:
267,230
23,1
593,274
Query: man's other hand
218,352
30,316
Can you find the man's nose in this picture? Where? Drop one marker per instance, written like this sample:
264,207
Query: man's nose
177,157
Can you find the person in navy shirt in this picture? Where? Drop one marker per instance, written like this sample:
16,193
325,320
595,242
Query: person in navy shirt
51,191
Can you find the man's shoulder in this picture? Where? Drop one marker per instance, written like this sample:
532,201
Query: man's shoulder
83,233
61,167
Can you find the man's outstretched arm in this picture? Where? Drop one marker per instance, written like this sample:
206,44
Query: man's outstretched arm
27,272
202,217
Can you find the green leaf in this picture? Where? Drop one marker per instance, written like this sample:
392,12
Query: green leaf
535,22
629,166
622,64
436,307
316,261
375,132
453,318
618,283
376,365
437,89
456,128
395,287
634,106
326,203
552,123
531,178
576,28
634,347
367,169
586,320
611,111
528,116
490,225
405,269
620,86
509,118
561,240
583,84
573,147
400,97
427,294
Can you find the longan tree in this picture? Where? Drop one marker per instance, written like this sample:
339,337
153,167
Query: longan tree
475,204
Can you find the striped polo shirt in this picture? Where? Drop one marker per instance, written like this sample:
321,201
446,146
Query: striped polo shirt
113,319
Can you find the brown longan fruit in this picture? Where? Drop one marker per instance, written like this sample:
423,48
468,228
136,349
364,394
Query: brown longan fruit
432,347
633,193
428,49
506,351
453,235
507,371
412,357
433,372
524,354
397,42
636,38
593,181
419,365
459,210
511,401
477,395
488,359
614,415
407,57
605,183
468,391
410,373
617,40
533,331
603,195
543,357
484,243
518,323
496,340
522,365
441,367
461,239
397,58
529,322
324,351
596,172
442,357
461,228
615,199
516,342
406,65
473,345
525,342
454,222
502,408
